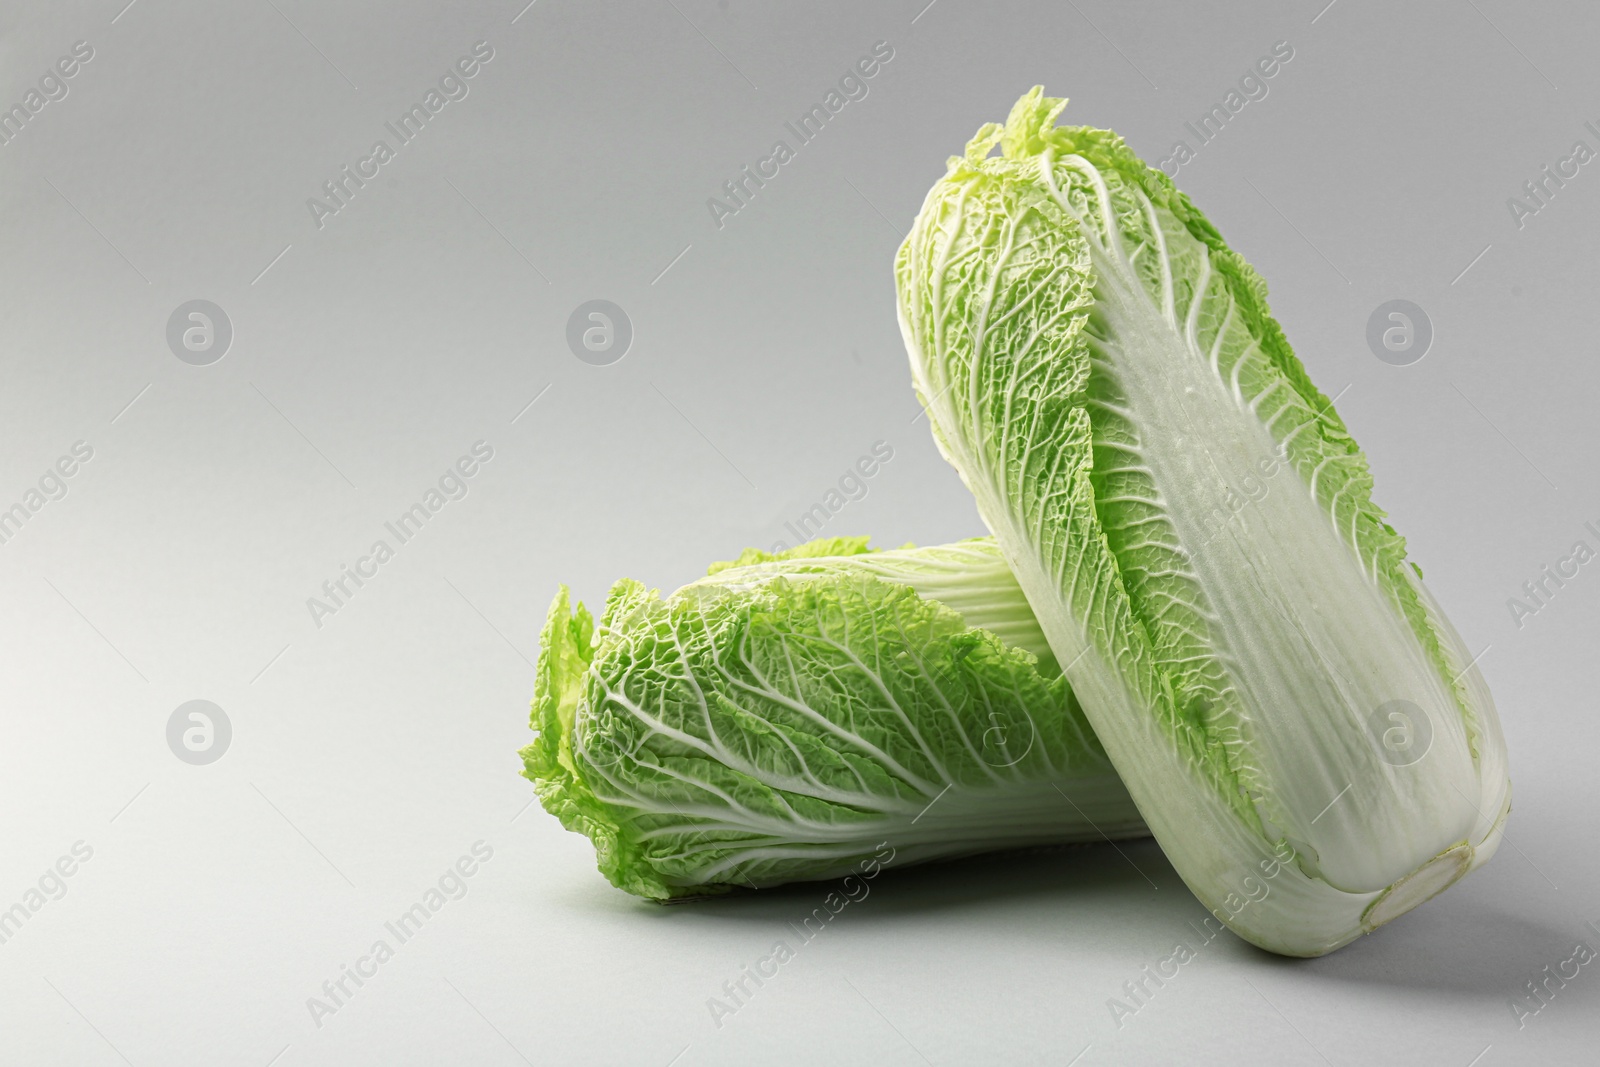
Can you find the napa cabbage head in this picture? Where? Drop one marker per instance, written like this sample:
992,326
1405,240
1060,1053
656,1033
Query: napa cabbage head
1194,527
810,714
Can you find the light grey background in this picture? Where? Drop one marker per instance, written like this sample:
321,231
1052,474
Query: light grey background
370,752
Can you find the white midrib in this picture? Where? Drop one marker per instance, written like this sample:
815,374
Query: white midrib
1212,850
1032,812
1312,647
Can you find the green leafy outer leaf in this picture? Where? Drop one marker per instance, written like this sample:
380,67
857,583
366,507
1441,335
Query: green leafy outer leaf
789,718
1193,525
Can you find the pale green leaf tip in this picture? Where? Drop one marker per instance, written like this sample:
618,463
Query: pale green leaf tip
814,549
567,648
1028,130
1030,127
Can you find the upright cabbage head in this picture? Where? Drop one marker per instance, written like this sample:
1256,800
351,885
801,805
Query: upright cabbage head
1193,526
